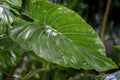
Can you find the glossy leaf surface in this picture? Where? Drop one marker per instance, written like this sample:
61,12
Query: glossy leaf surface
60,36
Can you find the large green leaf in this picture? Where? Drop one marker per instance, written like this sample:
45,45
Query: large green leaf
60,36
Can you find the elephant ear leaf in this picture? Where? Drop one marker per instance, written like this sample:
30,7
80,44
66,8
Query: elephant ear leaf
61,36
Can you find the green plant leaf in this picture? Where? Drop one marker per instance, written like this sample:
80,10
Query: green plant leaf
5,20
10,53
60,36
11,3
5,60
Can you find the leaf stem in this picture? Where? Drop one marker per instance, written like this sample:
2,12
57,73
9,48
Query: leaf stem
105,19
11,72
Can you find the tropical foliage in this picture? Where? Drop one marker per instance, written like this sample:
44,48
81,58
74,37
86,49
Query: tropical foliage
51,38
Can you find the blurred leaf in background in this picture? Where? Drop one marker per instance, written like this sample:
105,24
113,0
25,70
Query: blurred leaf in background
112,76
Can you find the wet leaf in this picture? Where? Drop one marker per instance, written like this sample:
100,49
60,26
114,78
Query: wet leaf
61,36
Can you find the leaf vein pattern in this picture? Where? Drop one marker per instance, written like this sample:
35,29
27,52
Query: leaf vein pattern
83,42
60,51
47,42
77,33
71,25
48,11
40,40
22,32
92,59
56,20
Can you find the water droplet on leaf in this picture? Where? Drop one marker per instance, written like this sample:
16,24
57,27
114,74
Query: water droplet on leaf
45,11
50,31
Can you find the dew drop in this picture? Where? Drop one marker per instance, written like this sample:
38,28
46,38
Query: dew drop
45,11
47,26
54,33
63,10
50,31
60,10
